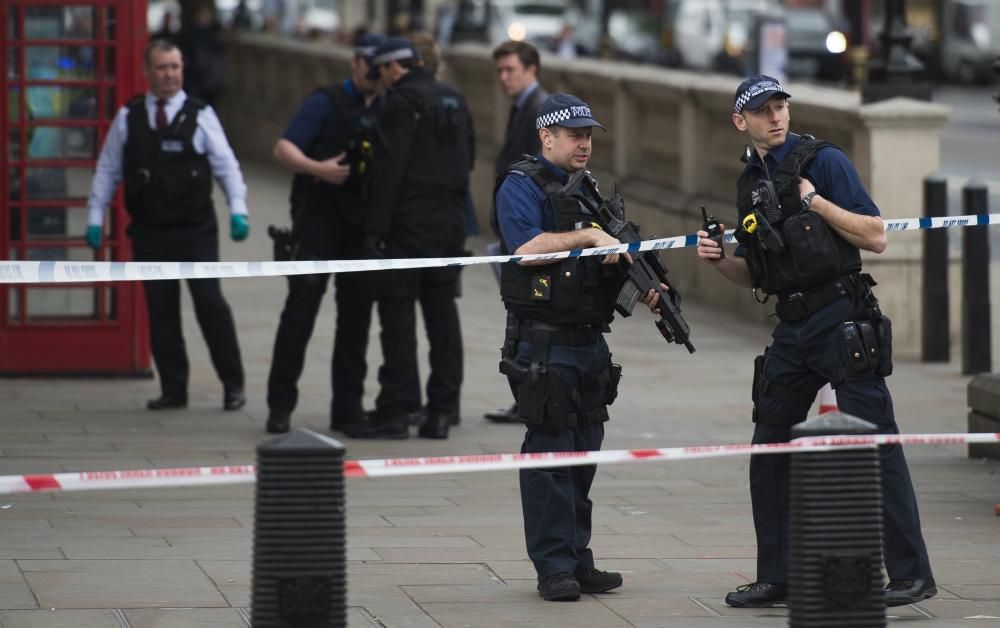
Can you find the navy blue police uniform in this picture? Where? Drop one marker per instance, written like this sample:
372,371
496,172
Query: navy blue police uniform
557,362
326,224
831,329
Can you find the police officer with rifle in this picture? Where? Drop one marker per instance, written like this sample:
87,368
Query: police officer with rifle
555,357
803,218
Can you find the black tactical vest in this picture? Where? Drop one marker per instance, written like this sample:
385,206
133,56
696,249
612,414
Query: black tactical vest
348,129
574,291
813,252
167,183
441,156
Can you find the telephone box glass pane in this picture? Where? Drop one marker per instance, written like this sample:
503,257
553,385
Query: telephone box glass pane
59,102
54,22
64,143
59,182
56,223
49,63
61,303
13,64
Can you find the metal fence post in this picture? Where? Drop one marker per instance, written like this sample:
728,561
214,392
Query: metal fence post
299,577
835,551
976,337
936,344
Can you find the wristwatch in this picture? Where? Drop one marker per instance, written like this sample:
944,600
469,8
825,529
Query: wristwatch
807,200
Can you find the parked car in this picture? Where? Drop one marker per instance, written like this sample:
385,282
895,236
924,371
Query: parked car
695,32
967,46
817,44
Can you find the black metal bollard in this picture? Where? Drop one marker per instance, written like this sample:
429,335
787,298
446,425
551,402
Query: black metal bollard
299,578
936,327
976,338
835,551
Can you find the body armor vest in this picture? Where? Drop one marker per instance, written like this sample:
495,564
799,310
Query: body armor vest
348,129
167,183
442,145
810,252
576,290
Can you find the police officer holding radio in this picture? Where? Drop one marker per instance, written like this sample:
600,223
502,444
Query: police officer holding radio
803,218
555,356
328,146
167,147
423,154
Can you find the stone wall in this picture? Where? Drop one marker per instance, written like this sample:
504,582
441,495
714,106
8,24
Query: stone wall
670,144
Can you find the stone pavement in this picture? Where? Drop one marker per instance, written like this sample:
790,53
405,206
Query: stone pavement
442,550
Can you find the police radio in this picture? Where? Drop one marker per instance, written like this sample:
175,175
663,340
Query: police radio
714,230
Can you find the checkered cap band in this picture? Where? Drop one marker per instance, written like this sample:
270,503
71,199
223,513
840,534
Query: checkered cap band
761,87
365,51
561,115
393,55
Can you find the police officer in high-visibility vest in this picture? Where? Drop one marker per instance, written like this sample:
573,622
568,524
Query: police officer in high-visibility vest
328,146
167,147
555,357
803,218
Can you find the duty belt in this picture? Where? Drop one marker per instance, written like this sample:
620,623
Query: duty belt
559,335
801,305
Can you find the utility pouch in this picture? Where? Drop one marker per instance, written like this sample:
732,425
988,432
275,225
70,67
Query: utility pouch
531,396
868,339
614,377
883,335
854,361
814,253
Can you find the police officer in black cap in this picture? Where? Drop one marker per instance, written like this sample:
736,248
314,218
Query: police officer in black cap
328,146
555,357
803,218
420,185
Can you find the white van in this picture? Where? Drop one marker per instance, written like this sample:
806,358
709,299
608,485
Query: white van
696,30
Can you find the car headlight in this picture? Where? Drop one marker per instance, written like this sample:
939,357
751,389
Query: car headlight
836,42
516,31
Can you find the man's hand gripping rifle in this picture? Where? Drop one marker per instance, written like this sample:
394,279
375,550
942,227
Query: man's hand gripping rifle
647,271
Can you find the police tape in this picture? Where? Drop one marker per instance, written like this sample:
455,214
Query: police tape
34,272
388,467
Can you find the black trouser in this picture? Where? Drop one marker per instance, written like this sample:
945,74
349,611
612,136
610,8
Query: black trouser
439,288
163,302
298,318
398,378
800,360
350,346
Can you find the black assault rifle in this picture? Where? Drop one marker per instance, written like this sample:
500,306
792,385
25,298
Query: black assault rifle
647,270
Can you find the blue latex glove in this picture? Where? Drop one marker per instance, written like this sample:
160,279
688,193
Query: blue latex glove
94,235
239,227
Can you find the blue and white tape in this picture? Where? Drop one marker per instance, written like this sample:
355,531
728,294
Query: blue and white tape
21,272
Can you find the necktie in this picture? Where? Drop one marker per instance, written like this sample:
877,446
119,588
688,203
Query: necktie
510,117
161,115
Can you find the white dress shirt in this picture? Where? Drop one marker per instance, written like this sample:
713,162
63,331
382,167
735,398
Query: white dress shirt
209,139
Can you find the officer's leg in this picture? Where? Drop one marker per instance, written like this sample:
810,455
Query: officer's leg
784,389
588,438
350,347
438,290
163,305
548,501
903,542
398,376
215,318
298,318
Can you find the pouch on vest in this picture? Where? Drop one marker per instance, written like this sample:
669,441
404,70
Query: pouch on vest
883,335
814,253
614,374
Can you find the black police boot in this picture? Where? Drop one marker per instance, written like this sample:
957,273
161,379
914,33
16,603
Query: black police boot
436,424
279,421
559,587
596,581
234,398
758,595
339,419
504,416
902,592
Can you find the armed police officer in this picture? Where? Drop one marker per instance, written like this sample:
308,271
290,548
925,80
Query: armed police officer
423,154
803,218
328,146
555,357
167,147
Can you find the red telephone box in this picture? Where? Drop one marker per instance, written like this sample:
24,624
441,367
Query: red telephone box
68,66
